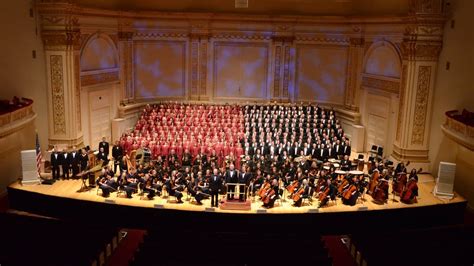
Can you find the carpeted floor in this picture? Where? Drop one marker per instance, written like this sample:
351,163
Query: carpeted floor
127,247
338,251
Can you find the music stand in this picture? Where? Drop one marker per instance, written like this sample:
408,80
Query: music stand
84,186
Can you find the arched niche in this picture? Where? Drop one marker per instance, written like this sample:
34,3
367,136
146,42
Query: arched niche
383,59
99,53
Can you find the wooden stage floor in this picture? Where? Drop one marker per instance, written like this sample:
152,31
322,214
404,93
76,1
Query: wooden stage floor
69,188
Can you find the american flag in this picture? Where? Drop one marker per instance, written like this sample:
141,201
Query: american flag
39,155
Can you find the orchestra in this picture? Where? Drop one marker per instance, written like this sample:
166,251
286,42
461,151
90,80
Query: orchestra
287,153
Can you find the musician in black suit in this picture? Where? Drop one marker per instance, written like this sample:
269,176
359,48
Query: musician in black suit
107,184
214,185
305,189
55,163
73,158
231,176
321,153
65,164
103,156
104,144
244,178
117,154
346,150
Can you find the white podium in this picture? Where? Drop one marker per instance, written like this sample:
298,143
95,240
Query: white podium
445,182
28,166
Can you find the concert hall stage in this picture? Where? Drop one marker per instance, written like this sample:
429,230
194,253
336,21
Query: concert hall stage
61,200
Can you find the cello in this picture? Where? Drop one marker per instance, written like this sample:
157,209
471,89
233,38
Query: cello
410,191
291,188
373,181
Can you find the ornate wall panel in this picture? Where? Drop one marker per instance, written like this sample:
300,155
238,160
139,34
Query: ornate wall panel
203,67
421,104
383,61
240,69
286,71
99,53
57,90
97,78
77,92
194,66
403,89
321,73
276,74
159,69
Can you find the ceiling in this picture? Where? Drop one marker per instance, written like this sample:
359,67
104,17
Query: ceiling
269,7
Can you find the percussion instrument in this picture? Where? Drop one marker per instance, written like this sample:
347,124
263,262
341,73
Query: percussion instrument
360,165
340,172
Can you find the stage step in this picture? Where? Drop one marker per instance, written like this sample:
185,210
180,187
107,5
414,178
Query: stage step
236,205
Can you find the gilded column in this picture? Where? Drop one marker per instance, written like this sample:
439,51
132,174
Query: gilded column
421,46
62,38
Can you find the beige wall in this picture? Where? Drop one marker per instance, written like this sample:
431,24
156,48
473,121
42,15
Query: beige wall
20,74
454,89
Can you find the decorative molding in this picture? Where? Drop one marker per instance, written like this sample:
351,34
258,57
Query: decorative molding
276,75
426,6
421,51
286,71
159,35
61,40
421,104
77,88
194,66
125,35
403,89
381,83
339,40
242,36
352,71
57,93
203,70
98,78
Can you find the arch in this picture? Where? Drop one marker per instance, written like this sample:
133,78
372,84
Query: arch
383,59
99,53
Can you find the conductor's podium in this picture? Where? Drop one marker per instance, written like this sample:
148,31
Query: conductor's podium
235,204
